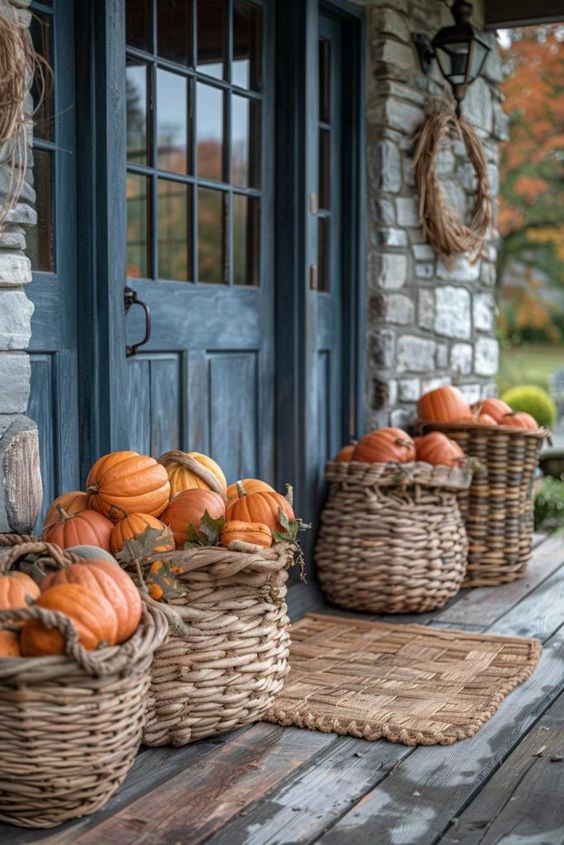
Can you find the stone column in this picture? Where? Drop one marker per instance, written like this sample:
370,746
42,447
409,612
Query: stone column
20,481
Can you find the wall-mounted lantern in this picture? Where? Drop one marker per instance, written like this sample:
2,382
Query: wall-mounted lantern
460,50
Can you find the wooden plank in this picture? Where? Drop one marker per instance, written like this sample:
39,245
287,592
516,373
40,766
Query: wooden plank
418,799
484,605
522,802
539,614
301,809
502,13
152,767
198,801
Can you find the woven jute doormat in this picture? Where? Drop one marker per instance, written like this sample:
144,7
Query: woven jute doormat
404,683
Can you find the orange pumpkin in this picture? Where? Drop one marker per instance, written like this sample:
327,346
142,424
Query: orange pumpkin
88,528
71,503
92,615
261,506
444,404
520,419
194,476
492,407
188,508
437,449
29,585
9,644
14,592
346,453
478,419
127,481
385,445
115,585
251,485
256,533
132,525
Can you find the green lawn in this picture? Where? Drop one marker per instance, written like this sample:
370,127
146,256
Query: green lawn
528,365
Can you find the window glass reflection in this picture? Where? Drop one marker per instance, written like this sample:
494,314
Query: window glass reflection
172,121
211,236
40,238
137,226
245,240
136,110
174,30
209,132
174,209
247,26
211,37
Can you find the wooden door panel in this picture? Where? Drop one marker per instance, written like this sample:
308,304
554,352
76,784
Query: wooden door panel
155,402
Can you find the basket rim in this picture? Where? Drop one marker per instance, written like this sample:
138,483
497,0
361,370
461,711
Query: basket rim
410,473
542,433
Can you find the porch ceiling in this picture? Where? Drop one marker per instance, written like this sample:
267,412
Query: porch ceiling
507,13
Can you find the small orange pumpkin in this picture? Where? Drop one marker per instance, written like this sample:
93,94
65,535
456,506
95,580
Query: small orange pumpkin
251,485
133,525
385,445
346,453
15,592
261,506
520,419
444,404
88,528
127,481
71,503
477,419
256,533
195,475
437,449
92,615
9,644
114,584
493,407
188,508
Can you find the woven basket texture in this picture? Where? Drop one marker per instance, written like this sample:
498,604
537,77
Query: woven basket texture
498,507
223,669
71,725
391,539
405,683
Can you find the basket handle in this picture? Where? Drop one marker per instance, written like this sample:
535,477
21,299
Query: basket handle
19,546
105,661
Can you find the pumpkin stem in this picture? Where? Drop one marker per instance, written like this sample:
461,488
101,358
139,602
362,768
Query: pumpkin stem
115,508
290,495
92,488
62,513
241,490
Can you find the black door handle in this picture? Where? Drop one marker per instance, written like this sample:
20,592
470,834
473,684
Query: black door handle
130,298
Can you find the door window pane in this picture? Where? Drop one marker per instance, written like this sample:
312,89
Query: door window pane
209,131
136,108
174,30
324,80
174,230
42,89
211,236
138,24
211,37
245,156
40,238
245,240
137,226
172,121
323,249
247,25
324,162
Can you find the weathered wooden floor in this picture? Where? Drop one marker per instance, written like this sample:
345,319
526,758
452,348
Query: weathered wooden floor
266,784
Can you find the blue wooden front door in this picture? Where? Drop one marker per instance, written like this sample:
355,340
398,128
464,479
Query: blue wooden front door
199,230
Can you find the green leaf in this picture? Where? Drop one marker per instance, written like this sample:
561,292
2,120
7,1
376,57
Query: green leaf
207,535
163,574
144,545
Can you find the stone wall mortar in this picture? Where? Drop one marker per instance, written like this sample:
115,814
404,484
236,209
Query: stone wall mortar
427,324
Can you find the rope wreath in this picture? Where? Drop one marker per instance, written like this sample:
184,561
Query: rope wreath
19,63
448,235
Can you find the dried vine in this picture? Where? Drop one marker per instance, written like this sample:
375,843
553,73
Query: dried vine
19,64
448,235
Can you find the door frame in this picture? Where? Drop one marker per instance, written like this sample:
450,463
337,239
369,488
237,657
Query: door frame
296,228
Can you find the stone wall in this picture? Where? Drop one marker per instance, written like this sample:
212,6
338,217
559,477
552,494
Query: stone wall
19,462
427,324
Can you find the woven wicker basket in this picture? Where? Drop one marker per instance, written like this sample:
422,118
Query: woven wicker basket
224,670
70,725
392,539
498,506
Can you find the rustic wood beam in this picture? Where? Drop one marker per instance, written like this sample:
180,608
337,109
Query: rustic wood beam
508,13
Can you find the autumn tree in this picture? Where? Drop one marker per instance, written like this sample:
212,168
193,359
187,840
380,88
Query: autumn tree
531,216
